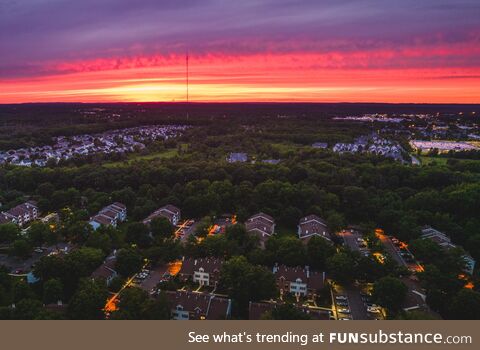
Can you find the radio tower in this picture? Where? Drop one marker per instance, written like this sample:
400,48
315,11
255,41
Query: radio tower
186,64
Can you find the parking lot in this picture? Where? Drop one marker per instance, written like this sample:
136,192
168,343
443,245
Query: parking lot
399,251
354,240
185,229
351,303
348,304
148,279
23,266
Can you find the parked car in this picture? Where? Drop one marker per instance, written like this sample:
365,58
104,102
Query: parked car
344,310
374,310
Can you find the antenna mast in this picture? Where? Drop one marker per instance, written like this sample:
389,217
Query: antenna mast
186,64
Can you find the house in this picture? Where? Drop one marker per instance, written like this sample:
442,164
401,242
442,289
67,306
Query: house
299,281
261,225
111,215
444,241
237,157
170,212
312,225
106,271
21,214
271,161
204,271
320,145
257,310
186,305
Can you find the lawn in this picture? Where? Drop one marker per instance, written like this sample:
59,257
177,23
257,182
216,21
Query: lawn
282,231
168,153
426,160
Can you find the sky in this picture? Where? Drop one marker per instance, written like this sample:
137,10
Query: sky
419,51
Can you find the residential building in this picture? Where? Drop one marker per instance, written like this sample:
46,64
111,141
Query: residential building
106,271
21,214
312,225
261,225
299,281
444,241
111,215
169,211
257,310
112,141
237,157
320,145
186,305
204,271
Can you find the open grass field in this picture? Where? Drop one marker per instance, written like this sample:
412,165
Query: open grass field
426,160
168,153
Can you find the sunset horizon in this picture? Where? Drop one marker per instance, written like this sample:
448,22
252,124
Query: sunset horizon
266,51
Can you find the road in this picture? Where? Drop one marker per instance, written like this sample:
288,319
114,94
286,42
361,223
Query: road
111,304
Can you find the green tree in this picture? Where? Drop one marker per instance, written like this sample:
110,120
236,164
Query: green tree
161,228
89,300
133,303
30,309
129,261
137,233
52,291
245,282
285,312
286,250
466,305
100,240
21,248
319,250
342,267
389,292
9,232
38,232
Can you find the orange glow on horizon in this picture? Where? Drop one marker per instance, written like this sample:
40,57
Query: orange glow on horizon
304,77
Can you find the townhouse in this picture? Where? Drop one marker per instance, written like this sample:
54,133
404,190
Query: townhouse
106,271
299,281
445,242
110,215
312,225
169,211
186,305
21,214
262,226
205,271
237,157
258,310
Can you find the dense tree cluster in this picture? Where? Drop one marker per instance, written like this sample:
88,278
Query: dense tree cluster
364,190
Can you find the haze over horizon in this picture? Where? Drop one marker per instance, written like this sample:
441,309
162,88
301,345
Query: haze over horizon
250,51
